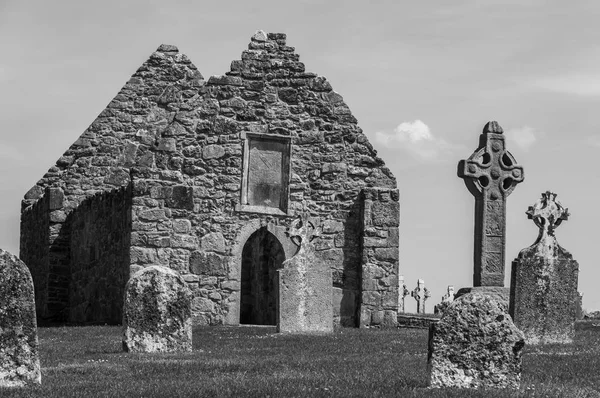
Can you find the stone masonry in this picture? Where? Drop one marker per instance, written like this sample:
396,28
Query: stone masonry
182,172
543,297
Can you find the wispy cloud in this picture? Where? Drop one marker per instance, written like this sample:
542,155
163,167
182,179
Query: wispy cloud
577,84
524,137
416,138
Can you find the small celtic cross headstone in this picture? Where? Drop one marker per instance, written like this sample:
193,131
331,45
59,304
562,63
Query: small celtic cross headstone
547,214
491,174
420,293
543,296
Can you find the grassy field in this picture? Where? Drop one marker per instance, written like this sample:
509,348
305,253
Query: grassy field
257,362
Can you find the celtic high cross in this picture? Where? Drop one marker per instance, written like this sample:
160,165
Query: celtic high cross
491,174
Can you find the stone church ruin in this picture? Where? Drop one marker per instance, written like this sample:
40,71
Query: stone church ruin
204,177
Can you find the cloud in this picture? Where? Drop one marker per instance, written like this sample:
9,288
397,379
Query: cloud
524,137
578,84
416,138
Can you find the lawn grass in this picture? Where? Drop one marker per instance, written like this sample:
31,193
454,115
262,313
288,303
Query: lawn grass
257,362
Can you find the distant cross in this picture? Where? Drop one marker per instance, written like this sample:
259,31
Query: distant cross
403,293
449,296
421,293
491,174
547,213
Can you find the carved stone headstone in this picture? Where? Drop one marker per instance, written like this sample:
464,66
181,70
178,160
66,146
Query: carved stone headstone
446,300
475,344
157,312
420,293
491,174
19,357
544,297
305,285
403,290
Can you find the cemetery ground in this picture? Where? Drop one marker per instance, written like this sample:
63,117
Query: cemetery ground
257,362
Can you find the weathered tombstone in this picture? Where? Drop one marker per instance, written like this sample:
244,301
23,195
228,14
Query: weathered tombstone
446,300
475,344
544,297
305,285
420,293
19,358
403,293
157,312
490,174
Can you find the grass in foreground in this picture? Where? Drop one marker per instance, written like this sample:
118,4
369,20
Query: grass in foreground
257,362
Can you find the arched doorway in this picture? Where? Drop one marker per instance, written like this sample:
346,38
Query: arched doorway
261,257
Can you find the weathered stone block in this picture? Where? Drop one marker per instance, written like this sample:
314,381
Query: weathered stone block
213,242
157,312
208,263
19,357
180,197
386,214
475,344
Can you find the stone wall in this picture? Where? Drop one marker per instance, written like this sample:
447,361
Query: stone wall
380,215
34,245
182,143
99,257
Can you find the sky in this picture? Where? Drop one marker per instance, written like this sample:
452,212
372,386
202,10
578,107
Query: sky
422,78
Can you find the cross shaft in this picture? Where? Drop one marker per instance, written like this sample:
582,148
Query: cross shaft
491,174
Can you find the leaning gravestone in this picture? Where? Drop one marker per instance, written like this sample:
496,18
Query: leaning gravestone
475,344
491,174
19,358
157,312
305,285
544,298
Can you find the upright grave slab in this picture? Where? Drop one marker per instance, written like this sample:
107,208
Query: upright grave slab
157,313
19,357
543,297
475,344
447,299
305,285
491,174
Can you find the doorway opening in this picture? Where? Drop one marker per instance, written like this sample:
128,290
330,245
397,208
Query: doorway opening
261,257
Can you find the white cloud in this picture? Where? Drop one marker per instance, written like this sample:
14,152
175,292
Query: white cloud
578,84
416,137
524,137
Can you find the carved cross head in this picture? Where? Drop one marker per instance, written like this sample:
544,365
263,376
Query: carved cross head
491,171
303,230
421,293
547,213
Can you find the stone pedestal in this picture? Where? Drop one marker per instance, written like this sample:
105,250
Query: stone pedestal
544,298
157,313
305,286
19,357
475,344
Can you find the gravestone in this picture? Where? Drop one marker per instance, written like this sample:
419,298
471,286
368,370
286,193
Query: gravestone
446,300
305,285
491,174
544,298
475,344
19,357
157,312
420,293
403,293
